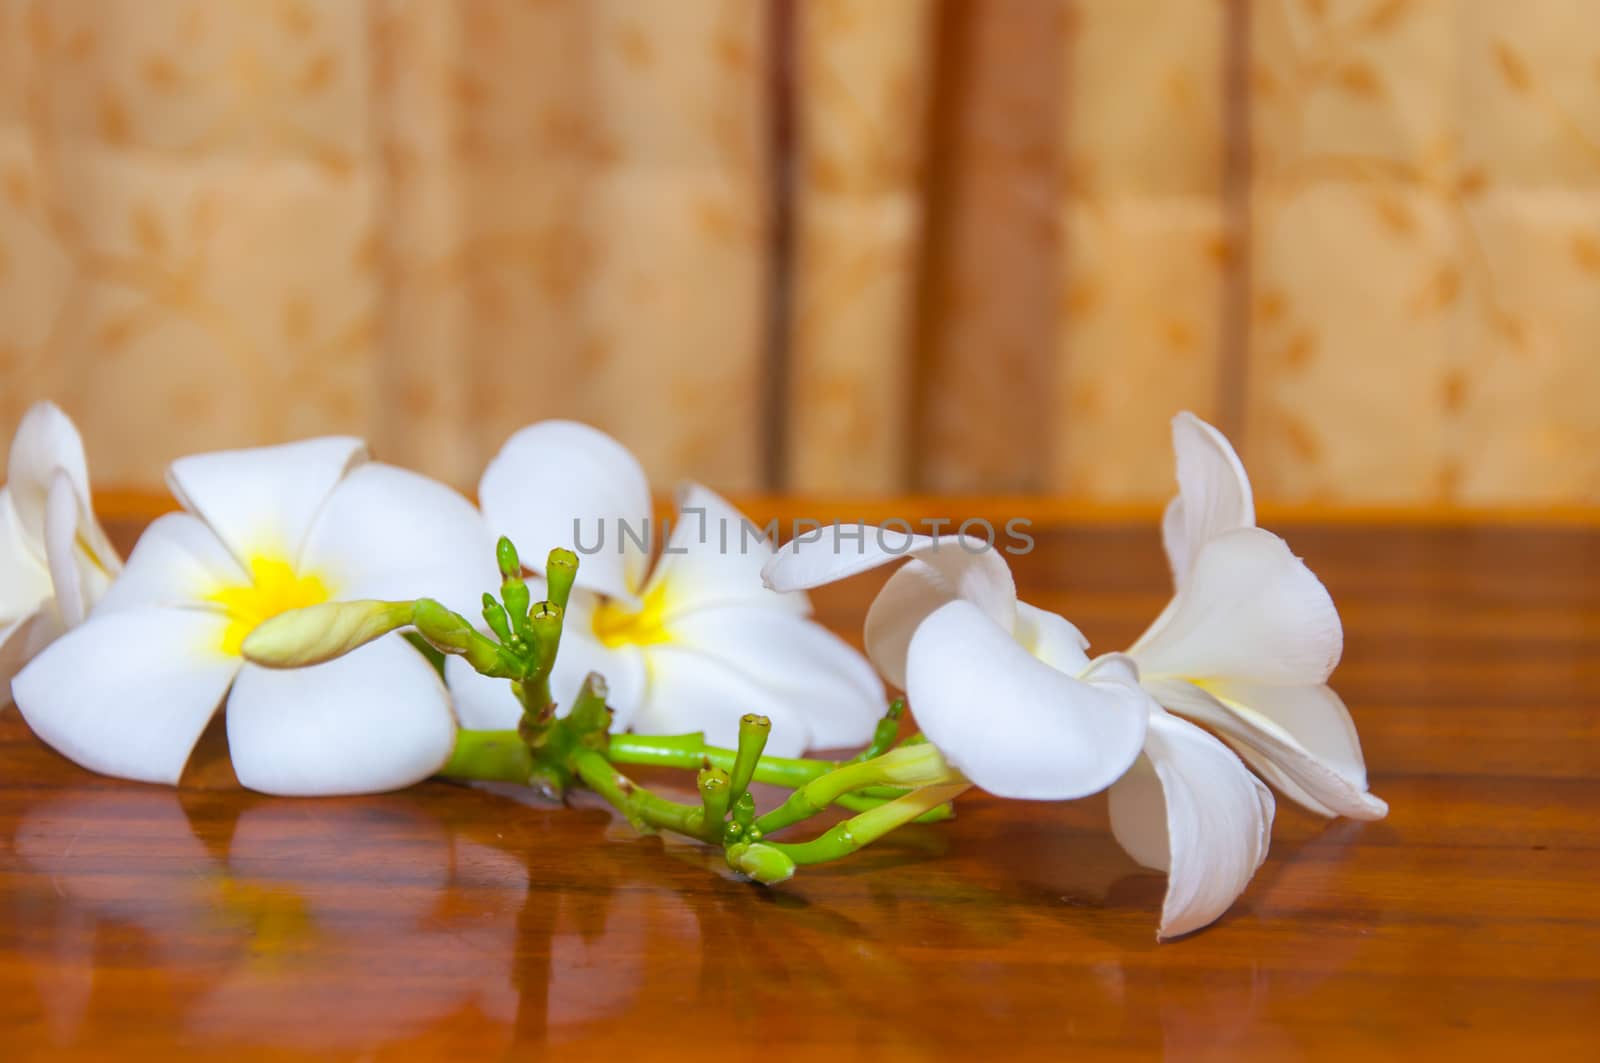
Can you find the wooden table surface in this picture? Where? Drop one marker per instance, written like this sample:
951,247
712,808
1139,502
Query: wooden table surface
453,922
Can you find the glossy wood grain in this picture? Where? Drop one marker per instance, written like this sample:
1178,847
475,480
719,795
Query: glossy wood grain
451,922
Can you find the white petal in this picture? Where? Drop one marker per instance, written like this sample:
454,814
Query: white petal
690,691
1213,493
78,579
1052,638
911,595
1189,807
128,694
973,569
261,502
1251,611
916,590
24,578
1300,739
177,561
1010,722
560,483
714,557
828,686
376,719
392,534
47,442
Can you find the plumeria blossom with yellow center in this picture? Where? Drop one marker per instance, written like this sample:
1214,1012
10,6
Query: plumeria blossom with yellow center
1008,693
263,531
690,644
1250,637
55,560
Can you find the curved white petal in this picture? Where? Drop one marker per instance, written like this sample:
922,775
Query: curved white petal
78,579
1190,808
828,686
376,719
262,501
972,569
46,442
1011,723
690,691
60,544
24,575
561,483
1251,611
912,594
916,590
177,561
392,534
1052,638
1213,493
1300,739
714,557
128,694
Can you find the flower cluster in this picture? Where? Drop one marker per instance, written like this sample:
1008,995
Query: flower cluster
323,600
1245,647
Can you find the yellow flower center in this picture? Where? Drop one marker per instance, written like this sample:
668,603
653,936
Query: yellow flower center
274,588
617,625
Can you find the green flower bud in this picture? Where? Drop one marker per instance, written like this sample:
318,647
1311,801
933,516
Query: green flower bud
515,594
506,554
762,863
318,633
494,614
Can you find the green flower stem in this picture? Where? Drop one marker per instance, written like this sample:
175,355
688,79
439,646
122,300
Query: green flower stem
921,767
753,734
643,809
491,756
867,827
560,569
883,735
715,786
857,803
690,752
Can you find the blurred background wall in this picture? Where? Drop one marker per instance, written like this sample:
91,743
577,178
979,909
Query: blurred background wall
820,245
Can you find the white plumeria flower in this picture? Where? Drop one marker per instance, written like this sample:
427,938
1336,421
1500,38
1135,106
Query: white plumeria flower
129,692
1009,694
55,560
690,645
1250,637
1004,689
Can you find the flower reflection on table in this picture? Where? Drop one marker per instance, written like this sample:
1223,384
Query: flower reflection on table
313,925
